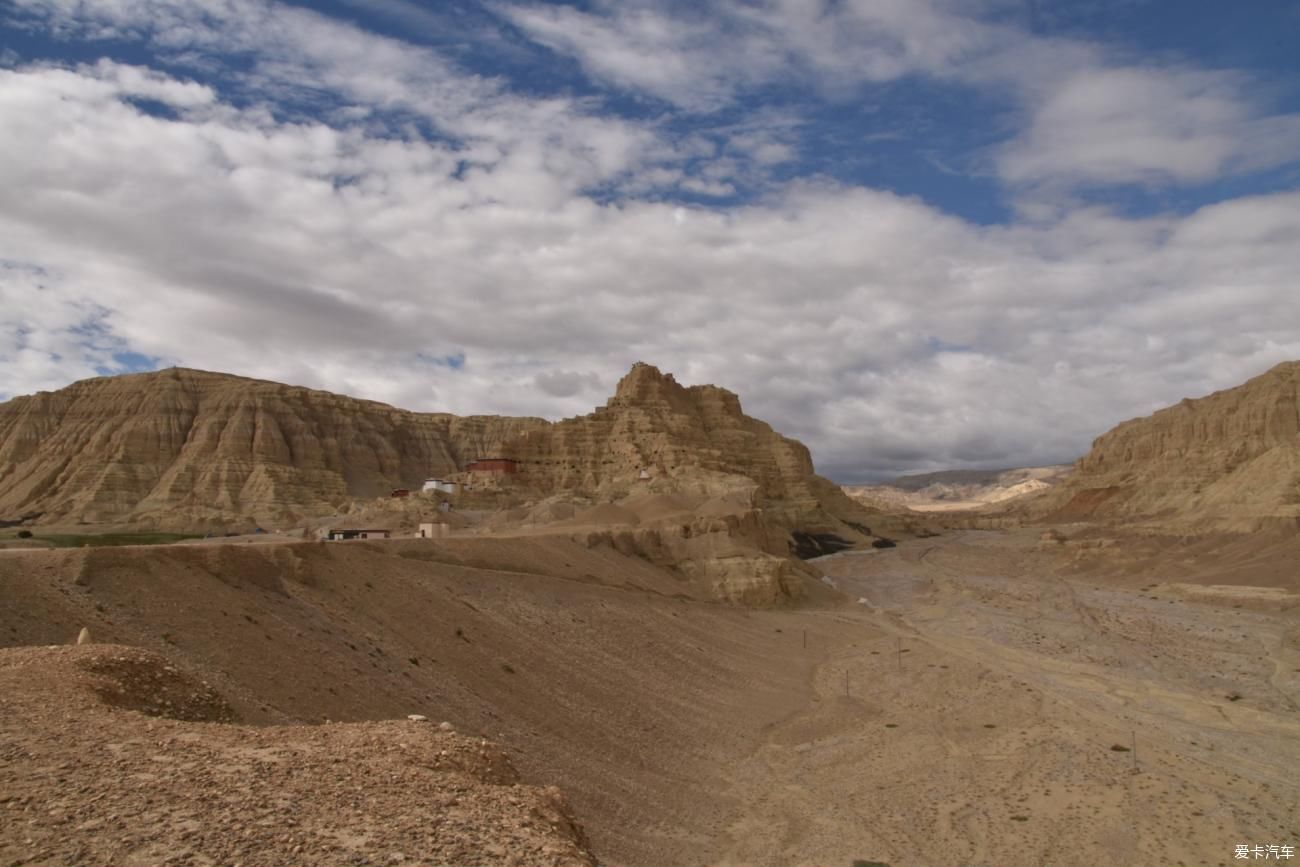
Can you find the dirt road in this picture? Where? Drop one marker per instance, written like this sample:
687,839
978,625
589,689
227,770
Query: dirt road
999,716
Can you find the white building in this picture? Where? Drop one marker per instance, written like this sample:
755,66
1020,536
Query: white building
440,485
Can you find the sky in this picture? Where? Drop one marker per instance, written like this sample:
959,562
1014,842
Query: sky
913,234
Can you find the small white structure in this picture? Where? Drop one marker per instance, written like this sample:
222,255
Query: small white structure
432,531
440,485
644,475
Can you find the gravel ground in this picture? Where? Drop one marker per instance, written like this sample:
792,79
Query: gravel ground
112,755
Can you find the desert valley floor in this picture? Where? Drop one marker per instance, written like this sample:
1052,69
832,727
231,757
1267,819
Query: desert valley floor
982,698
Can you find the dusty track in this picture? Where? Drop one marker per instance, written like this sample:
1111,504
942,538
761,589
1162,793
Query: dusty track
987,741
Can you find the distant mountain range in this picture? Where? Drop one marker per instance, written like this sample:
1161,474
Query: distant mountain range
951,490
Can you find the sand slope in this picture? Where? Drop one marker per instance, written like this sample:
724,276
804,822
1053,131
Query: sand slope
685,732
586,665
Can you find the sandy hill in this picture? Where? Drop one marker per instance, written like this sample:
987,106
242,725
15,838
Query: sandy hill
952,490
594,671
187,449
1229,461
969,708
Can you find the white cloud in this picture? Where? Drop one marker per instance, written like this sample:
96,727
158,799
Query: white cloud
701,59
1147,126
567,383
49,337
1092,116
298,54
885,334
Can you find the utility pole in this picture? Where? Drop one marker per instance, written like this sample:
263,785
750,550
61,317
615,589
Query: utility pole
1135,751
900,654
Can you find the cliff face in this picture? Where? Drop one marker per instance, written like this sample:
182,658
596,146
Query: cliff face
190,449
694,440
186,447
1231,459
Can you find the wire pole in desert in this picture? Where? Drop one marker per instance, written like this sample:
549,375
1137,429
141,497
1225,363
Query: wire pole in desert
846,683
900,654
1135,751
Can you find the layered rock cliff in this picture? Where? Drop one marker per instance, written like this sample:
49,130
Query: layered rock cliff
1230,460
188,448
692,440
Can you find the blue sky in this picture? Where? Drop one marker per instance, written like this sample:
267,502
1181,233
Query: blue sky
915,235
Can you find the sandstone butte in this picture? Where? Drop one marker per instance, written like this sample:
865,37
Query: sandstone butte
1228,461
188,449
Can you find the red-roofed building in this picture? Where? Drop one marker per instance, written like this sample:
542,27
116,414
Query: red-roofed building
494,466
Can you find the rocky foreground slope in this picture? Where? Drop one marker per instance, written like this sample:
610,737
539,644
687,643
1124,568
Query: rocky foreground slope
187,449
1227,461
111,754
594,671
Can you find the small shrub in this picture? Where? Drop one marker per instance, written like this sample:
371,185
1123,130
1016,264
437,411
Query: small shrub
24,534
1120,748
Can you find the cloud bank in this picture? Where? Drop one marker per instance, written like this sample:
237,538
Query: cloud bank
276,193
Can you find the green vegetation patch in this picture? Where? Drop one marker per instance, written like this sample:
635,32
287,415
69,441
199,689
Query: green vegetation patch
99,540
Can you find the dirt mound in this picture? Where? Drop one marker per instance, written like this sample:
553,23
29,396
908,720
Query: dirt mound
656,507
138,680
550,511
718,507
83,782
606,513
